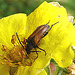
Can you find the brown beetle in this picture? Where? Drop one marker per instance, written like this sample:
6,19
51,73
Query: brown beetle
35,37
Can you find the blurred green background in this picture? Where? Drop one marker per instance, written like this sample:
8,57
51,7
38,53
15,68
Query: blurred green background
9,7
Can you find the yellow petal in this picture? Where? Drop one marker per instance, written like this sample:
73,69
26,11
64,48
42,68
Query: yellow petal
9,26
36,67
64,58
61,35
41,16
27,71
43,73
64,38
4,70
23,70
57,42
40,63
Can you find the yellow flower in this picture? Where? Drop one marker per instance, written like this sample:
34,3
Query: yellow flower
57,43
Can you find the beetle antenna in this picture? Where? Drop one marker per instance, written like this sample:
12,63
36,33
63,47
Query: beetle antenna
48,22
52,26
50,29
19,40
41,49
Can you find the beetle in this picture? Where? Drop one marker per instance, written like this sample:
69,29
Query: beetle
35,37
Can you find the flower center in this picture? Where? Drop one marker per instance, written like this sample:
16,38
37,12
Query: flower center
17,55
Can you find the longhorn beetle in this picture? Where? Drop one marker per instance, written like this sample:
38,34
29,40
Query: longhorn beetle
35,37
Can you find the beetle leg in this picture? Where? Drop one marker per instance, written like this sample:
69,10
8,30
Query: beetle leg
37,55
41,49
36,52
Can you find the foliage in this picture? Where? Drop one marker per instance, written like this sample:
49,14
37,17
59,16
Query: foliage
9,7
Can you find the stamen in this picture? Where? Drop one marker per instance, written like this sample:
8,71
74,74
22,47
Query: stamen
4,48
6,61
2,63
18,63
13,39
17,55
23,53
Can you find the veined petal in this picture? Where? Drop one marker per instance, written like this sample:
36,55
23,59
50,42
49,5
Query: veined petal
61,35
23,70
9,26
41,16
43,73
40,63
36,67
4,70
64,38
64,58
56,43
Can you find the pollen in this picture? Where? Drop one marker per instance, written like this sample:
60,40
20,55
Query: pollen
17,55
13,39
4,48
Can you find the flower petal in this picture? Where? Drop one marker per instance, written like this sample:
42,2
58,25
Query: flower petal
23,70
61,35
40,63
9,26
43,73
26,71
41,16
64,38
36,67
57,43
4,69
